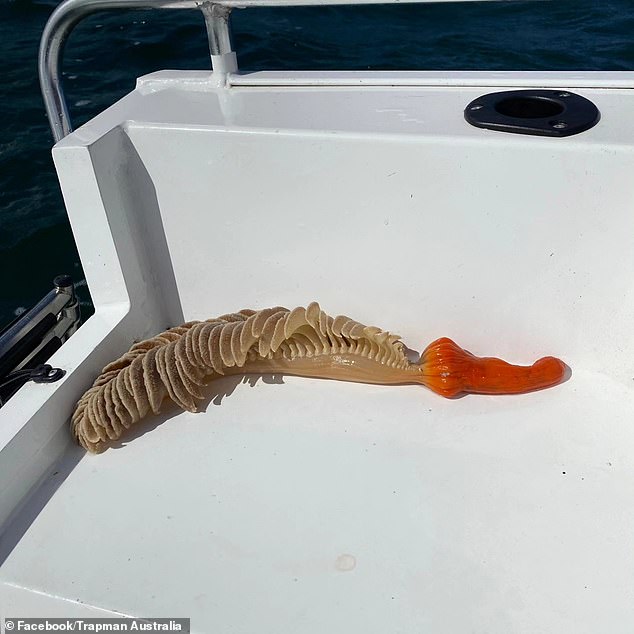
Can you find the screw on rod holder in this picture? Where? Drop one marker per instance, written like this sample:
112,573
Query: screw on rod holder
554,113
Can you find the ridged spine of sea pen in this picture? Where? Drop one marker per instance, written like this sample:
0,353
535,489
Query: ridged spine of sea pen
176,364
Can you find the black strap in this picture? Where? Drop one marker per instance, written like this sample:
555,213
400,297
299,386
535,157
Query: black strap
43,373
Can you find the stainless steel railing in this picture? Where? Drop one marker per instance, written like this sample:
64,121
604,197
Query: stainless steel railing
39,331
216,13
69,13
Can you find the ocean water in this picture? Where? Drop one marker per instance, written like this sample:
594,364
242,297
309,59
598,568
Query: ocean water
108,51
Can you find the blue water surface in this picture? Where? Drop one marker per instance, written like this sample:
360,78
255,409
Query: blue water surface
108,51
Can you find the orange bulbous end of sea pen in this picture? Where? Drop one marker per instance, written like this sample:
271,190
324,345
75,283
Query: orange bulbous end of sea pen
449,370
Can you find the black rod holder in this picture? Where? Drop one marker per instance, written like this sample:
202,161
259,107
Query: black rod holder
554,113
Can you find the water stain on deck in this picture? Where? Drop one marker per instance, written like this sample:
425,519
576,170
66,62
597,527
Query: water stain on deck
345,563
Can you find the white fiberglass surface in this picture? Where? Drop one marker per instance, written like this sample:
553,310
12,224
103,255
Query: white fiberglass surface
524,244
323,506
318,506
175,99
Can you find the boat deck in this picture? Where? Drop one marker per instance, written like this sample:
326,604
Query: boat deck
318,506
